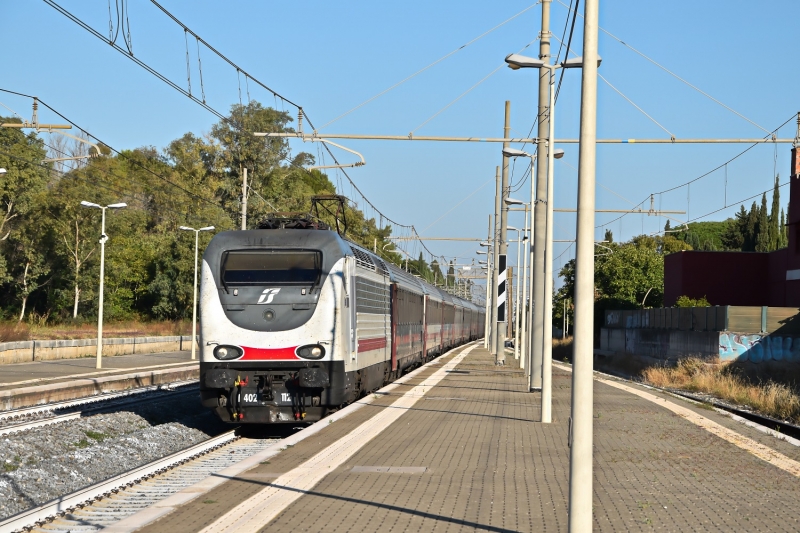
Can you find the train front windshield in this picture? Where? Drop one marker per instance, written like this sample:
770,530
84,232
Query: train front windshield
271,267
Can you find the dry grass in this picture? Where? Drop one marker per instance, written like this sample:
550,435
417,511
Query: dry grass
770,398
562,349
13,331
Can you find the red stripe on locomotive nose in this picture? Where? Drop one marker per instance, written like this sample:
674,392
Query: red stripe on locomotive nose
268,354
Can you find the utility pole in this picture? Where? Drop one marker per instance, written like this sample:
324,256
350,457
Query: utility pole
539,209
244,199
580,459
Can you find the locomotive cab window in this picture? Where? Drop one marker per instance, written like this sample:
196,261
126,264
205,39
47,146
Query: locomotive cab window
271,267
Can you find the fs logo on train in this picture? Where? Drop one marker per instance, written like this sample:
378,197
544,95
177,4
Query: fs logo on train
267,295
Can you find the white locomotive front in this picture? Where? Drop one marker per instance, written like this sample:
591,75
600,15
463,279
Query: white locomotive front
275,325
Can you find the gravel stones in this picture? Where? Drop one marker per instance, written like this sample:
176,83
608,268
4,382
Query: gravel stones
44,463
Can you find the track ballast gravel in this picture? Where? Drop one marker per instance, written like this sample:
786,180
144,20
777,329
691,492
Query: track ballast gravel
44,463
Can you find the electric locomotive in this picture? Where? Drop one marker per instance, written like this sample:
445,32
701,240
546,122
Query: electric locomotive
296,323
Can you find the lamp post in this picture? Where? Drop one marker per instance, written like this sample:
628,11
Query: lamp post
545,333
540,264
103,240
516,61
194,301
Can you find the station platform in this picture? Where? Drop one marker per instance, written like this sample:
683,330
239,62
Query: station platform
26,384
458,447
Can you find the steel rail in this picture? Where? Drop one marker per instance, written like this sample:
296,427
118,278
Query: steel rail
59,506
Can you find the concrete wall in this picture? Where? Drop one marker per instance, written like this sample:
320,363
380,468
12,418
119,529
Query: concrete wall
27,351
660,344
723,346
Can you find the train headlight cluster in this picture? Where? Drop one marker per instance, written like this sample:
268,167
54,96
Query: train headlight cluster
311,351
269,315
228,352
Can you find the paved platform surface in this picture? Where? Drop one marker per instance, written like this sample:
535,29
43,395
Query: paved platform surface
40,372
468,454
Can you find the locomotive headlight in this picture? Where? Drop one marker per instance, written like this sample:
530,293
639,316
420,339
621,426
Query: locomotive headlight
228,352
269,315
311,351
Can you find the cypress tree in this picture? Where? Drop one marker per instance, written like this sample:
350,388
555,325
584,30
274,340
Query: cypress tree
774,228
751,229
762,231
783,242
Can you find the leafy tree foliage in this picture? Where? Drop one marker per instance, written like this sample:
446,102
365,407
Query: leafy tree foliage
49,251
628,275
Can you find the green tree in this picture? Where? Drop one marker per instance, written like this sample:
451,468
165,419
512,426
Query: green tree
733,237
783,240
609,237
774,224
763,231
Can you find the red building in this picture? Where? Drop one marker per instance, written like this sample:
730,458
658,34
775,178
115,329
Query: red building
742,278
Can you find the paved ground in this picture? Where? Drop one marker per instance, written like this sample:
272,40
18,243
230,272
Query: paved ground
39,372
490,466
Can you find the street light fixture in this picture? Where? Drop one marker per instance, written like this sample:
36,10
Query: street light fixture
3,171
194,301
103,240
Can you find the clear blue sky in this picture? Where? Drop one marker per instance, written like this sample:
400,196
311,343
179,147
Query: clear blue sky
331,56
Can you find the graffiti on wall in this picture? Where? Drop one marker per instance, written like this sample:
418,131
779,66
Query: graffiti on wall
758,348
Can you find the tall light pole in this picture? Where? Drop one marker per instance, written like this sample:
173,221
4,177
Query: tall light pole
103,240
542,266
194,301
580,458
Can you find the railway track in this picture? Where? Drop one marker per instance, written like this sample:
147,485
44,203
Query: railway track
27,418
127,493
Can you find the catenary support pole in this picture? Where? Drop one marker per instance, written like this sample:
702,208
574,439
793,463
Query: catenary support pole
103,239
520,281
502,306
244,198
539,214
495,244
194,300
580,460
523,356
489,290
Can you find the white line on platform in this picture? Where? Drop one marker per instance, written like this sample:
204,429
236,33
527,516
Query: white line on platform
254,513
747,444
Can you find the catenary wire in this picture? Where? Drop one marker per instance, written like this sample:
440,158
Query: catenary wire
415,74
665,69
